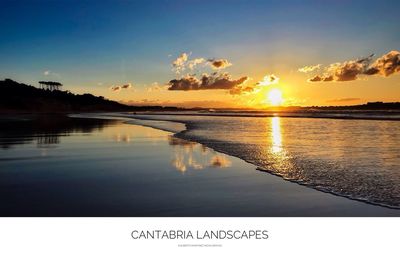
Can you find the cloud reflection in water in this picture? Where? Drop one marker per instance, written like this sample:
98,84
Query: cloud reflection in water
191,155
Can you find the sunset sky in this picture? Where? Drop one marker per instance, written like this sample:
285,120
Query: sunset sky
243,53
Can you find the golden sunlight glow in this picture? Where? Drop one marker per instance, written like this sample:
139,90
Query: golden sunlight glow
275,97
276,135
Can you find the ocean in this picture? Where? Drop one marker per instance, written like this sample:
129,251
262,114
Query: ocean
130,165
339,154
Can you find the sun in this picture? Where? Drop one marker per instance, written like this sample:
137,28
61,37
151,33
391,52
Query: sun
275,97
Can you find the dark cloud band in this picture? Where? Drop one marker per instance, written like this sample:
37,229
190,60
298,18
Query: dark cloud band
206,82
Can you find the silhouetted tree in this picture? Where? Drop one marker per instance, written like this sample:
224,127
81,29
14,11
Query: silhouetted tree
50,85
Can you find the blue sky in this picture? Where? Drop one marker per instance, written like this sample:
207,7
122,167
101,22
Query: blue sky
87,42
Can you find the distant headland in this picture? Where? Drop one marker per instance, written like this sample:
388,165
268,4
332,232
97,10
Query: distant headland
49,98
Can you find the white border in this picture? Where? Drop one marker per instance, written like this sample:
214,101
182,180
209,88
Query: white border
114,234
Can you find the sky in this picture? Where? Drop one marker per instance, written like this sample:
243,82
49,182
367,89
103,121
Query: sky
207,53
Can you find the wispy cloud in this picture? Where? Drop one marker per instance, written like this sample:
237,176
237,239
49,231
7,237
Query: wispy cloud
268,80
50,73
192,63
183,62
343,100
307,69
155,87
179,63
121,87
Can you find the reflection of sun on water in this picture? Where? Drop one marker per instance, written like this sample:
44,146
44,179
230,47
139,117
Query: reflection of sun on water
279,156
276,135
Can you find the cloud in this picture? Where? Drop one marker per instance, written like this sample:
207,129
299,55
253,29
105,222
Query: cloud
327,78
115,88
155,87
219,63
385,65
349,71
145,102
307,69
242,89
318,78
183,62
126,86
268,80
206,82
215,80
50,73
120,87
180,60
192,63
343,100
179,63
253,88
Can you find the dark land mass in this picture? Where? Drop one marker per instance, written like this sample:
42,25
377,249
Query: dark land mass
370,106
19,97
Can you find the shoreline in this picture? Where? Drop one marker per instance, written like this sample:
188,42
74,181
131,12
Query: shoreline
383,115
180,134
316,115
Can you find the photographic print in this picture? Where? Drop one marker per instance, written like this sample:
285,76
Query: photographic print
199,109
